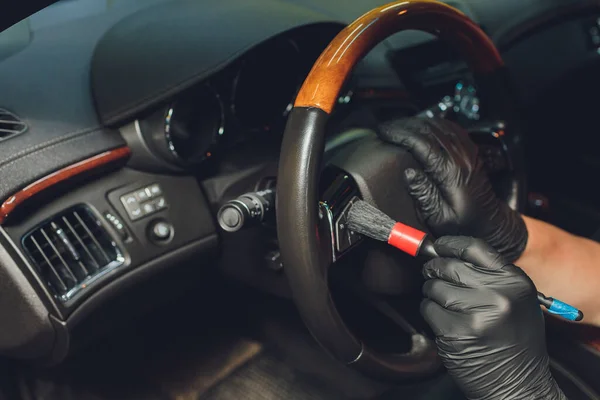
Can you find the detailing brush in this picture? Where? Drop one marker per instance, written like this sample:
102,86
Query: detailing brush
367,220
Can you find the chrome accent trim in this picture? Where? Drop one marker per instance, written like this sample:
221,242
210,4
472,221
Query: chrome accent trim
324,206
60,257
140,136
168,138
257,201
362,351
169,116
337,226
105,271
513,196
236,201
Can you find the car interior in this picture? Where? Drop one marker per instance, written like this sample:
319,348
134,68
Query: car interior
175,179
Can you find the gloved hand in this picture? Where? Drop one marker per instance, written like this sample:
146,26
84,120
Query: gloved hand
452,192
488,324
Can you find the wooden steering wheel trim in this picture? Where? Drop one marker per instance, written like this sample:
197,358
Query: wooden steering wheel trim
325,80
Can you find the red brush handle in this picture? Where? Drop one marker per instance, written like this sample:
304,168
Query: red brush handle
406,238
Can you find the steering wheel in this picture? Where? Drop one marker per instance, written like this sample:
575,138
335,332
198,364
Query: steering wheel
312,199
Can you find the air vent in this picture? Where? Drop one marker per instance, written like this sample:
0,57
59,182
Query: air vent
10,125
72,250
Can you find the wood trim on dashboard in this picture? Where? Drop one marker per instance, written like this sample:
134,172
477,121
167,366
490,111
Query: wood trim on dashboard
324,82
48,181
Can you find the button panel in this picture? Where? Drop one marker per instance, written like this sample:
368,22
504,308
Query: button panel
144,201
118,225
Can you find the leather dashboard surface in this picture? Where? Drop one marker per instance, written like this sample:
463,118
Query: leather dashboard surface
47,86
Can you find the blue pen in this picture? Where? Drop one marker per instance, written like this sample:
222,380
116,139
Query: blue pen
559,308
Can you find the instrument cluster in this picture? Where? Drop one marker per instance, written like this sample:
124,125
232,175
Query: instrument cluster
248,100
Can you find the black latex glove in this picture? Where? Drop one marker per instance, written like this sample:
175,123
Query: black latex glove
452,192
488,324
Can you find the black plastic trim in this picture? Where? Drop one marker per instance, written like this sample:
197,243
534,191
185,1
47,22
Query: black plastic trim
580,359
142,156
422,357
62,340
123,282
560,373
27,332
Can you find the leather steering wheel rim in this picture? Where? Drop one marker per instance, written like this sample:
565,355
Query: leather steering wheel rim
302,243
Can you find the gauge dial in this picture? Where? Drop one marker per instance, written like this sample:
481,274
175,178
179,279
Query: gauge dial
266,84
193,125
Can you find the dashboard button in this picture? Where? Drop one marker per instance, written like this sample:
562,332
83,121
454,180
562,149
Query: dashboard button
148,208
130,200
161,231
135,213
142,195
154,190
144,201
231,218
160,203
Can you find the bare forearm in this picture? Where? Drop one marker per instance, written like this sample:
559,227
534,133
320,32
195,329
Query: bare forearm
563,266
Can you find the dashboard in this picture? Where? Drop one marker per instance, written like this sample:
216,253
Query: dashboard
117,156
247,101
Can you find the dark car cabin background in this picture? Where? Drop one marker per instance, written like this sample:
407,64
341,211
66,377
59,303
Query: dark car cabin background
218,323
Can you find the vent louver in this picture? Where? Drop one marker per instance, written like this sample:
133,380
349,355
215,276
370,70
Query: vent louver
10,125
72,250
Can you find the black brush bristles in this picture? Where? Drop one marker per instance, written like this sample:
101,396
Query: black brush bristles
365,219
